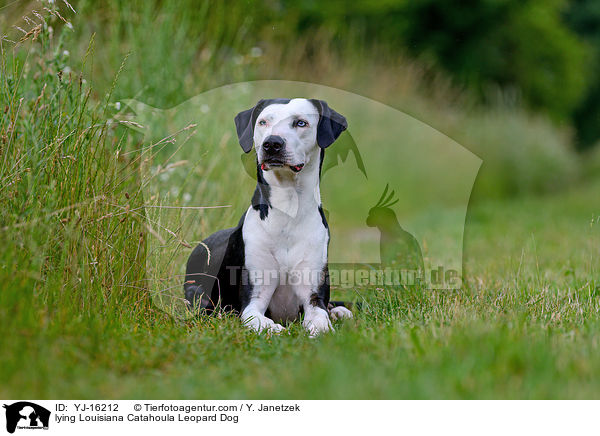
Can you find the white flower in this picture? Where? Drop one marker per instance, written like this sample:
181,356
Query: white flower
256,52
118,105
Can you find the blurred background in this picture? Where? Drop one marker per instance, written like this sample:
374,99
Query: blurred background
515,82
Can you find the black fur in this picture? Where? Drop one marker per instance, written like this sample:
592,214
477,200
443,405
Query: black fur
321,159
321,297
331,124
213,278
261,198
323,219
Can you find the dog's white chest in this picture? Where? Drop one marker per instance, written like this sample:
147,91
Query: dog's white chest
292,251
285,243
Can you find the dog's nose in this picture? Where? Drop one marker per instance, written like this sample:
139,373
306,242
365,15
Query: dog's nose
273,144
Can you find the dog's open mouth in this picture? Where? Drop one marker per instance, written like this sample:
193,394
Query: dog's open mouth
265,166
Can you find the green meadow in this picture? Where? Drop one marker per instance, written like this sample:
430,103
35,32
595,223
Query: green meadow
111,170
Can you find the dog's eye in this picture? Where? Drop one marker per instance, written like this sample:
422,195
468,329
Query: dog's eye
262,123
301,123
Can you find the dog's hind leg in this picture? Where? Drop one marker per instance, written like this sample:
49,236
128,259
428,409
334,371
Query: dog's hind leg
198,299
208,283
339,310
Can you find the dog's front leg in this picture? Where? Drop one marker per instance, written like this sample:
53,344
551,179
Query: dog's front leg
258,297
316,317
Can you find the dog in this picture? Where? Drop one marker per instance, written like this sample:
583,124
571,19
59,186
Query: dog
272,267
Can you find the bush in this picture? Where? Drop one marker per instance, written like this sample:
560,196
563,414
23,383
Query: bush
591,162
521,154
583,17
522,45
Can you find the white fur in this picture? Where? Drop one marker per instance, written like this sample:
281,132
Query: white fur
291,242
340,312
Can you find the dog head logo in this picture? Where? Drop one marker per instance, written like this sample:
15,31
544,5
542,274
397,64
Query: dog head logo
26,415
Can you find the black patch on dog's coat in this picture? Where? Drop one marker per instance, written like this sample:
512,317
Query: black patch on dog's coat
314,299
262,194
323,219
321,159
321,297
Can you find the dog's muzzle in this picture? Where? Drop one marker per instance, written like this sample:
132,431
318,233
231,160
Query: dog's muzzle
274,154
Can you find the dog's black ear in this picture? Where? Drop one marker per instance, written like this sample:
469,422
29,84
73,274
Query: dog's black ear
331,124
244,121
244,125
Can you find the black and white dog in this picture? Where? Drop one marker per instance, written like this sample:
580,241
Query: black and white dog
273,265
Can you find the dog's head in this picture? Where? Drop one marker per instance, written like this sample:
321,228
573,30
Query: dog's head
286,133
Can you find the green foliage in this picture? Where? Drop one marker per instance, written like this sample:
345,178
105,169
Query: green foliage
509,43
194,48
583,16
522,45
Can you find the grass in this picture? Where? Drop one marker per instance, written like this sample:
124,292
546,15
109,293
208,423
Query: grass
522,329
77,310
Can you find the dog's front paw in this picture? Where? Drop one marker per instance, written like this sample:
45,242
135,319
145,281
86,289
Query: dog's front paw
275,328
340,312
261,323
317,323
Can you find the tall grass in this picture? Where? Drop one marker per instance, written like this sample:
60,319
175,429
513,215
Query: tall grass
69,245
